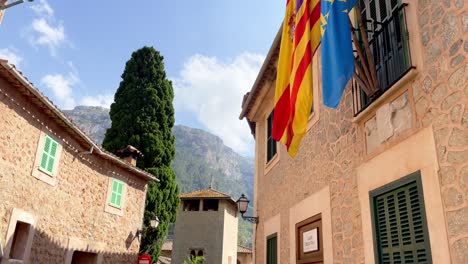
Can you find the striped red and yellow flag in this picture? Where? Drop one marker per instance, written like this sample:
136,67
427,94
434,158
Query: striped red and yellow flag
293,95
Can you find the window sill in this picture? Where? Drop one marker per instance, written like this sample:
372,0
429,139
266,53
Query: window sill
115,206
390,93
44,176
113,210
13,261
45,172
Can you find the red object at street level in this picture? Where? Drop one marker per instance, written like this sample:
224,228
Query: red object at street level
144,259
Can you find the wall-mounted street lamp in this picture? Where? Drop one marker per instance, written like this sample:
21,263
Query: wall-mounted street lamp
154,222
242,205
13,4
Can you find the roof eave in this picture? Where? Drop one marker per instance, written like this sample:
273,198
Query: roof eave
229,199
256,86
10,68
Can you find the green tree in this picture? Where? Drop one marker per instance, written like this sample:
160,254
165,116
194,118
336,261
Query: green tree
142,115
194,260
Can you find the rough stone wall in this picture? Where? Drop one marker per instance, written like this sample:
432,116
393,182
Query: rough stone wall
441,96
335,146
390,121
74,208
329,153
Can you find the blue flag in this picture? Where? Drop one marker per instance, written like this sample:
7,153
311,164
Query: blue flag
337,50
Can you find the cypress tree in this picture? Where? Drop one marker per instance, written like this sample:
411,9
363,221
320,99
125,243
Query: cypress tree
142,115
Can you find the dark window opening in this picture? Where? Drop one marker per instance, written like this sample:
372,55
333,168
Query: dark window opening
80,257
192,253
20,240
272,249
191,205
197,253
386,27
399,222
210,205
271,143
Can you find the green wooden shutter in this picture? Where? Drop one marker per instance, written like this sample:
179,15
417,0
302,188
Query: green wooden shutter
400,226
49,155
116,194
272,250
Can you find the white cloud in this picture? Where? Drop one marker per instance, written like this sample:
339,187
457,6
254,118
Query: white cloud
48,35
11,56
44,30
212,90
62,88
43,9
98,100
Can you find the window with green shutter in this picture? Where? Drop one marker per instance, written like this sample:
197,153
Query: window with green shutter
49,155
272,249
399,222
116,194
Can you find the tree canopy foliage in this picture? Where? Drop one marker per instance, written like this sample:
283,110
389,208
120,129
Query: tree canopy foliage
142,115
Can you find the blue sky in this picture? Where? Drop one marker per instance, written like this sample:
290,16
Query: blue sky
75,52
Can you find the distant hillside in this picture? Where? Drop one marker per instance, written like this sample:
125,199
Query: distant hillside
94,120
200,157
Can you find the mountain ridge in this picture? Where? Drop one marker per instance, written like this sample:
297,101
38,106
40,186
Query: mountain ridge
88,118
201,158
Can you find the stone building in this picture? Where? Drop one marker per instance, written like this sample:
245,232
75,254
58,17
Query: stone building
377,180
244,254
206,226
63,199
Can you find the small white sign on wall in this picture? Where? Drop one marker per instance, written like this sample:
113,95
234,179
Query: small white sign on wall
310,240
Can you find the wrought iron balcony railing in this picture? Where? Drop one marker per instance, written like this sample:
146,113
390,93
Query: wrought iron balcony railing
389,44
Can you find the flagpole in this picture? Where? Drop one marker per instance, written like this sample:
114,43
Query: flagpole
362,74
370,58
5,6
363,83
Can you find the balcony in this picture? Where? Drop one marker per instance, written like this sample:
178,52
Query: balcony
389,45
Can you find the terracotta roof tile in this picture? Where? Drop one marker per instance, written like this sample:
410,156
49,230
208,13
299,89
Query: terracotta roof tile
269,66
207,193
241,249
10,69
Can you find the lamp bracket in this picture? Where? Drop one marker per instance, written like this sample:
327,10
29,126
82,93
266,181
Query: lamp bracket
251,219
138,233
11,4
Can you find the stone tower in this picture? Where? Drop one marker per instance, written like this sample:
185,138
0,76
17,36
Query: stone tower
206,226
